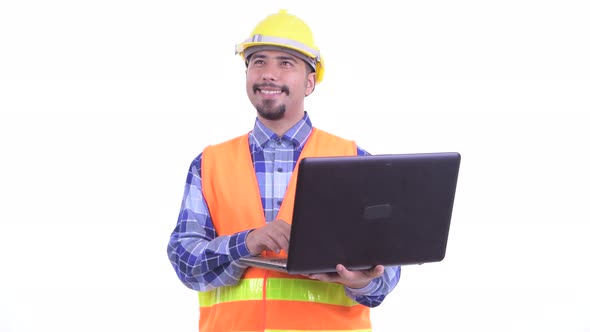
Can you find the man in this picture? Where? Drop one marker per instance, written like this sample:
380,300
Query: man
238,202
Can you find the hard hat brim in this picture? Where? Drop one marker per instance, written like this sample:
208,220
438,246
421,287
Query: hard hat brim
257,48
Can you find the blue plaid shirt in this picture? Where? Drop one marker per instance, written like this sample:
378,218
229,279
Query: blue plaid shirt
204,261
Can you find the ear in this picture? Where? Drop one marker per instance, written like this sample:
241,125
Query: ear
310,84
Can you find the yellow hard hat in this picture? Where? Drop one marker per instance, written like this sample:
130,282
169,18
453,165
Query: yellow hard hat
286,32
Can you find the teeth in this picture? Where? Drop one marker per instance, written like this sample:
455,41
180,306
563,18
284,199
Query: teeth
270,92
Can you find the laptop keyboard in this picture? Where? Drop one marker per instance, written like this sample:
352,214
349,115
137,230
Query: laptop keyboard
279,260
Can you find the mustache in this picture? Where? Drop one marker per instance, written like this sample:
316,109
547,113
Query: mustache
283,88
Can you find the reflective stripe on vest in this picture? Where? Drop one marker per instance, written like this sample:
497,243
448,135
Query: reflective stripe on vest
278,289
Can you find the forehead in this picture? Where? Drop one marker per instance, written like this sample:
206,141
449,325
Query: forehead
267,54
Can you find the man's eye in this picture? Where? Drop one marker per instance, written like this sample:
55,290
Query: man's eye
258,62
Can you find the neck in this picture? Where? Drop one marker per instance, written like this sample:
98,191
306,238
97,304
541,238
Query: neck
280,127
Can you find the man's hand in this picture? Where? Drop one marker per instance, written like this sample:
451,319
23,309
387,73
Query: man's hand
273,236
352,279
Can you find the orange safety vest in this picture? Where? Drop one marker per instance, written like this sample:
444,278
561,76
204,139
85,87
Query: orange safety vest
265,300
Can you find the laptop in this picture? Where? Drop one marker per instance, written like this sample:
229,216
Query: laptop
363,211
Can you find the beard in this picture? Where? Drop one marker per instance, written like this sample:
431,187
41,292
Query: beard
268,112
267,109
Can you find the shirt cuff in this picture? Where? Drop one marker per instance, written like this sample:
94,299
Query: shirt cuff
369,289
237,245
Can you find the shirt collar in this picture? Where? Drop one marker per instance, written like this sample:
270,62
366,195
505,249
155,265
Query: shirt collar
298,134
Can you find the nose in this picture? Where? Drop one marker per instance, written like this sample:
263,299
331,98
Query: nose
269,74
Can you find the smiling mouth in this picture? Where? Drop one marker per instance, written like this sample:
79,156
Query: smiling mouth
268,90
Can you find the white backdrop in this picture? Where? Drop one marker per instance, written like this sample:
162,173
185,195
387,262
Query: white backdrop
104,104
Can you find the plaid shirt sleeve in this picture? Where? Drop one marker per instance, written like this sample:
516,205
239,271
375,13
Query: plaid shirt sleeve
202,260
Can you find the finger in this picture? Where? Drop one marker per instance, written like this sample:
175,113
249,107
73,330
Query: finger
375,272
283,224
279,237
265,241
280,233
378,271
327,277
280,244
284,228
344,273
276,242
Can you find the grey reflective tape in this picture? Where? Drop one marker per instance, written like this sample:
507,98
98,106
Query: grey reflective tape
281,41
257,38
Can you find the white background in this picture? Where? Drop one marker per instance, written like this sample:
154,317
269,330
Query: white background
104,104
